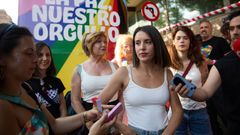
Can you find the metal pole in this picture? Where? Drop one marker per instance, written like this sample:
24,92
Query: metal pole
168,21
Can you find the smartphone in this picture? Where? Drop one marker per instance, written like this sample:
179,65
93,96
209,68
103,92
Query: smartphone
179,79
115,111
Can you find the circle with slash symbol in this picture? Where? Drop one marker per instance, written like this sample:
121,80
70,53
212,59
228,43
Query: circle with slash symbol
150,11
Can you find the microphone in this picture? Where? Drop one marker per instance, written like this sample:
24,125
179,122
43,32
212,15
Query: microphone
236,45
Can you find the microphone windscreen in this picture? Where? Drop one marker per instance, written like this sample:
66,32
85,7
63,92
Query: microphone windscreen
236,45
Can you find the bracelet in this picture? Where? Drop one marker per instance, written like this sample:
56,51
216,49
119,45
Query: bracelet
83,117
85,120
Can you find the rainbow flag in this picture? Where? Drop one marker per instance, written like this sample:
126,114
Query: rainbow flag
61,24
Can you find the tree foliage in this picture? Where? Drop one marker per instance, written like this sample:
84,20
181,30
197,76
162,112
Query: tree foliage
175,6
174,14
202,6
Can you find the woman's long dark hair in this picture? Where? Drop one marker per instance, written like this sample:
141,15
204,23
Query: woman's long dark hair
161,55
10,36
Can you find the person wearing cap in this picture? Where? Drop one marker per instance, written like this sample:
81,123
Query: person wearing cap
225,73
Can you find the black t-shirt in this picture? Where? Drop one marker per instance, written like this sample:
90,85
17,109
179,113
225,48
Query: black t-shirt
50,87
229,70
219,47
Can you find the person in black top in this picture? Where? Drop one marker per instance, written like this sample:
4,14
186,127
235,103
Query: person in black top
225,73
214,48
219,46
48,88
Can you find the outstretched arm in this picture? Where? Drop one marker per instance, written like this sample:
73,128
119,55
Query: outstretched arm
204,71
210,86
67,124
207,90
117,82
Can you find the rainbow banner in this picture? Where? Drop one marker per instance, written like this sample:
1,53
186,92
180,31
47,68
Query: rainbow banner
62,23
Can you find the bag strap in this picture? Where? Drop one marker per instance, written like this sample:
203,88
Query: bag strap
187,69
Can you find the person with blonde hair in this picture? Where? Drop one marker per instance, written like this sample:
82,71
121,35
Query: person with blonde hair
90,77
123,50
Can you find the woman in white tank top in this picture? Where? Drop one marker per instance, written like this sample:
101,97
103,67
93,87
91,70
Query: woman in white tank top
145,86
186,48
91,77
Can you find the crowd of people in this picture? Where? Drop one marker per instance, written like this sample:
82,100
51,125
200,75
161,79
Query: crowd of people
139,76
224,74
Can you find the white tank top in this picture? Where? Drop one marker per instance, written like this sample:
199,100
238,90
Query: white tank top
194,74
93,85
146,106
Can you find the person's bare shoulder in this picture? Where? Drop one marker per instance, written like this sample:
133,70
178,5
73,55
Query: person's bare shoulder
6,109
8,118
4,105
169,75
121,74
123,70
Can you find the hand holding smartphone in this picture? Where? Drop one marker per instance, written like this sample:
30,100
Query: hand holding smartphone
115,111
179,79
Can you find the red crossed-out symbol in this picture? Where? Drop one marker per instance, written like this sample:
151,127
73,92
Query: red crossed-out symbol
150,11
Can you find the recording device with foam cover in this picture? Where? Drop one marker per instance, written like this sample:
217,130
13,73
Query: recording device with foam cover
179,79
115,111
